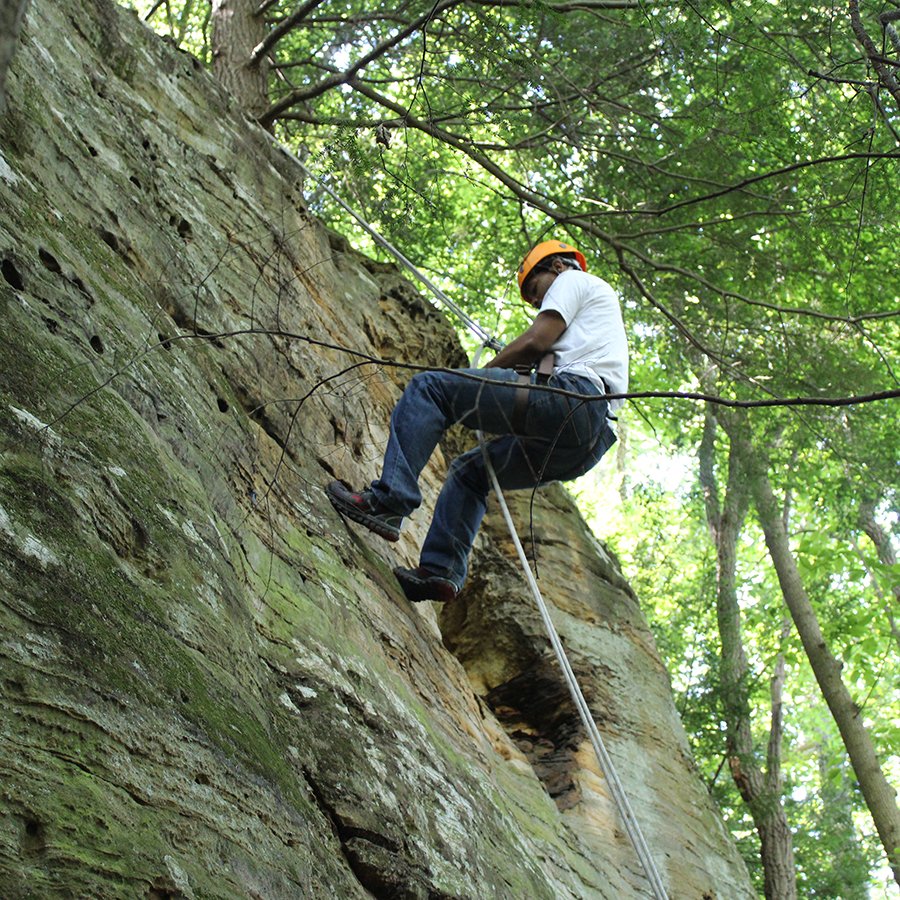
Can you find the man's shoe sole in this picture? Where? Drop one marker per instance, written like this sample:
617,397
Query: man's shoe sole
373,523
418,589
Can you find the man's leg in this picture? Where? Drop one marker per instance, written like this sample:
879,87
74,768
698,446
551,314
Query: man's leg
434,401
431,403
569,440
463,500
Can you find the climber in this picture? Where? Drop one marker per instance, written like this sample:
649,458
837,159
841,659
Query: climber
579,340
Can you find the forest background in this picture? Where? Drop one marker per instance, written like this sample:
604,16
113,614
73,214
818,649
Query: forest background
730,167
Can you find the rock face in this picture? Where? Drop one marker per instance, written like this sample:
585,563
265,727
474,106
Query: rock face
211,685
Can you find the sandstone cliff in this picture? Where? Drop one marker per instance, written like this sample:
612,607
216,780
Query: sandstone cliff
211,686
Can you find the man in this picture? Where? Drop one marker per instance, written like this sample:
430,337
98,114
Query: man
542,437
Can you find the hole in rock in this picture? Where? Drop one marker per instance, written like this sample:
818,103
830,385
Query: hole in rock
97,344
34,839
166,342
136,182
81,287
11,274
223,404
49,261
109,239
52,325
160,894
183,227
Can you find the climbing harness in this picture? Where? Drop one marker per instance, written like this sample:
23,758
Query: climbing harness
606,764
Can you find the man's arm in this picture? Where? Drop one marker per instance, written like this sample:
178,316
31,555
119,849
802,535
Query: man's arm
532,343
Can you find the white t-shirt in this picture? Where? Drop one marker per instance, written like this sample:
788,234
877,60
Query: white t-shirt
594,343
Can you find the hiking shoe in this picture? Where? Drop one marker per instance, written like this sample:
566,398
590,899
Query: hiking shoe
419,584
365,509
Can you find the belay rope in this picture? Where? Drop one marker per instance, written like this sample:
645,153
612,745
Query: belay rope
606,764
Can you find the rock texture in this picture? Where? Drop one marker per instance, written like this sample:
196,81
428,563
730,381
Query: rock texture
211,686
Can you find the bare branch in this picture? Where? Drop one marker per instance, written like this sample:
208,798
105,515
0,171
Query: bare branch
350,74
154,9
885,76
773,173
277,33
875,397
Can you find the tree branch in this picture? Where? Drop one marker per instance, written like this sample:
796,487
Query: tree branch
349,75
462,373
277,33
615,242
885,76
794,167
573,6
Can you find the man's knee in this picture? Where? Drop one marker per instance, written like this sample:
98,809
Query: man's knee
426,383
468,469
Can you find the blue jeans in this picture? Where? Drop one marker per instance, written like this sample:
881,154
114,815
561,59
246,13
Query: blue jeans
563,438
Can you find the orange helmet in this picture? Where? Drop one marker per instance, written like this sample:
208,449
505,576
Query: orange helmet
542,251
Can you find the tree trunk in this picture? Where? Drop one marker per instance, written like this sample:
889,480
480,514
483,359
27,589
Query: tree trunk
781,872
761,791
12,13
880,797
235,32
879,537
886,554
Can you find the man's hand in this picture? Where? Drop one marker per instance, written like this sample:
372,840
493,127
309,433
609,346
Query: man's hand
531,344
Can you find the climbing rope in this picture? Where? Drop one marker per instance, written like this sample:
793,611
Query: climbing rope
606,764
484,336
